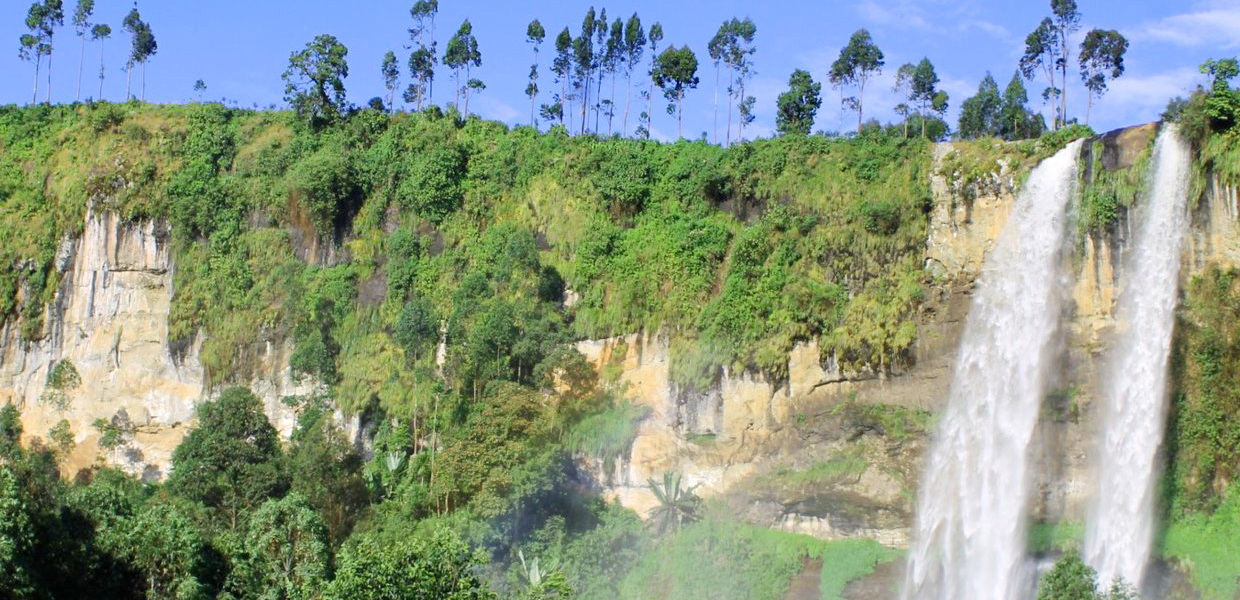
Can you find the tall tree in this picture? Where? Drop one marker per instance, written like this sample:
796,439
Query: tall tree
904,87
142,48
656,36
289,542
1101,57
53,17
423,36
391,77
980,114
82,26
614,61
562,67
674,73
1015,120
583,53
232,461
716,48
860,60
599,64
1067,22
314,80
739,56
1043,53
534,35
634,43
461,54
795,108
33,46
101,32
923,89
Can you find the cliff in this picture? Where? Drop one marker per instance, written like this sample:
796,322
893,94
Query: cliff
108,325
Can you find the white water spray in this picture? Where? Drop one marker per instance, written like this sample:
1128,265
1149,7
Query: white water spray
971,520
1121,528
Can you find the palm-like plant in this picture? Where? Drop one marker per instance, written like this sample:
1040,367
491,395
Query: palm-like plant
543,583
677,505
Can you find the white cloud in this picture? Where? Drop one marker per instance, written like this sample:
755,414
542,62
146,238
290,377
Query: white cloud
1142,97
901,14
993,29
1212,24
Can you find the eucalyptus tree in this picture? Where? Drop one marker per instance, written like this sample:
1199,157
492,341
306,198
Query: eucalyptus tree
614,59
425,47
674,73
53,17
634,44
534,35
391,77
656,36
860,60
562,67
81,26
715,48
795,108
461,54
599,63
1042,53
1067,21
923,89
739,56
142,48
583,55
33,45
99,33
1101,57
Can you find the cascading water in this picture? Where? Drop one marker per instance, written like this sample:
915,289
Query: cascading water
970,536
1121,527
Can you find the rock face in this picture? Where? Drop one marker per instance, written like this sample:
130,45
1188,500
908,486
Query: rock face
109,324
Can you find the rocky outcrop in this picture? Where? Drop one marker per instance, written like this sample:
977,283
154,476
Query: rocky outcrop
108,323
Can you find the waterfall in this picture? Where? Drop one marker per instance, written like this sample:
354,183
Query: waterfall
1120,530
971,519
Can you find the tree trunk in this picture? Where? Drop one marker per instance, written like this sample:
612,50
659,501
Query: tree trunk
860,103
598,95
144,81
1089,104
49,73
128,81
680,112
585,101
628,98
81,64
728,135
38,60
715,124
740,123
100,70
611,109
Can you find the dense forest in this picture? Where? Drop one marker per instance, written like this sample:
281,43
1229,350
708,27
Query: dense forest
432,271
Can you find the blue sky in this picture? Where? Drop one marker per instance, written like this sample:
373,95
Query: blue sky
239,48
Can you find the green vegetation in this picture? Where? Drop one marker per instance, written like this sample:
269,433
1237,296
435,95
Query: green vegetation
1060,536
1207,545
1106,193
1072,579
719,560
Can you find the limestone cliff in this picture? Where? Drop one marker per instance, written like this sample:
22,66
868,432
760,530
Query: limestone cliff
108,323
